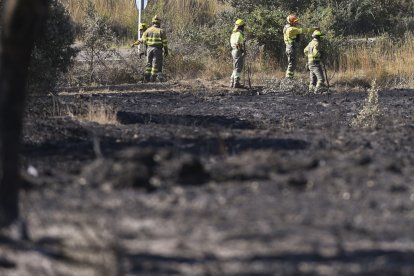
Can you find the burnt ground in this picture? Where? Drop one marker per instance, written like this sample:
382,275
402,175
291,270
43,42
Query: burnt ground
215,182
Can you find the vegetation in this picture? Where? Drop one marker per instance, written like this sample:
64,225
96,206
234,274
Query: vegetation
370,115
97,39
198,33
53,54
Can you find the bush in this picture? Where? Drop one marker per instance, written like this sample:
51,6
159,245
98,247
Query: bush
53,54
345,17
98,39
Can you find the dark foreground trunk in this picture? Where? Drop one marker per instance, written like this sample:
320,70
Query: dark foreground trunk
21,20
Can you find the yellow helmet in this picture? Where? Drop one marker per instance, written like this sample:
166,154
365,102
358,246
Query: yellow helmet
317,34
143,27
156,20
239,23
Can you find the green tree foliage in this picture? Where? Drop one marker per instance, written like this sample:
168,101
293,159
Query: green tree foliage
287,5
336,18
266,27
349,17
53,54
359,17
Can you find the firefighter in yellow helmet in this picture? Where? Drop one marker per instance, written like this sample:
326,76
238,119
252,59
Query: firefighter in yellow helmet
314,53
155,39
291,34
141,28
237,42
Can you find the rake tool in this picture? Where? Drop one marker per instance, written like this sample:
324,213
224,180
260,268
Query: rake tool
249,75
326,75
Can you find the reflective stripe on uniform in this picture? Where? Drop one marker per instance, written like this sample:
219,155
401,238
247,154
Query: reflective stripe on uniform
154,71
312,51
155,36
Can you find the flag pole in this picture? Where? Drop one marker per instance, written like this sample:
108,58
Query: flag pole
140,9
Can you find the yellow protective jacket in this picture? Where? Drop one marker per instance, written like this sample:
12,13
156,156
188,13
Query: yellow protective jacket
313,51
237,40
291,34
156,37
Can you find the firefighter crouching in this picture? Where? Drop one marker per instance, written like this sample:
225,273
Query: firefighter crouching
291,34
314,54
237,42
156,41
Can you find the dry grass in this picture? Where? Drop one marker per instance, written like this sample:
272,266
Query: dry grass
119,12
100,113
182,13
370,115
387,61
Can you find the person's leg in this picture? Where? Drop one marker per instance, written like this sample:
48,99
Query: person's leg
148,67
291,55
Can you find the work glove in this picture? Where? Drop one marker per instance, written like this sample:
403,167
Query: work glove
165,52
141,54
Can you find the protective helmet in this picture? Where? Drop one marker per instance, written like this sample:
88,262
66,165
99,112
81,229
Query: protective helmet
156,20
143,27
317,34
239,23
292,19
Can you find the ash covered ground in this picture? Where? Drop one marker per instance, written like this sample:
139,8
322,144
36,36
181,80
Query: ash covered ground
215,182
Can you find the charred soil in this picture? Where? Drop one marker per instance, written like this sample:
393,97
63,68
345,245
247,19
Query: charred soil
215,182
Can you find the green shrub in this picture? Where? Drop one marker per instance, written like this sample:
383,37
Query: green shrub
53,54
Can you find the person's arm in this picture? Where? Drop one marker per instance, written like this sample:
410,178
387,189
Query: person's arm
144,37
137,42
317,51
307,30
292,32
306,50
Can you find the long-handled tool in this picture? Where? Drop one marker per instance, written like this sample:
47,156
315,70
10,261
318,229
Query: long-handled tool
244,69
249,75
326,75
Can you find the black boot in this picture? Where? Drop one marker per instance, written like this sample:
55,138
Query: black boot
238,85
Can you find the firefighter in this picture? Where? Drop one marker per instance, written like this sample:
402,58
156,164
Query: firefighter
291,35
314,54
237,42
142,28
156,41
